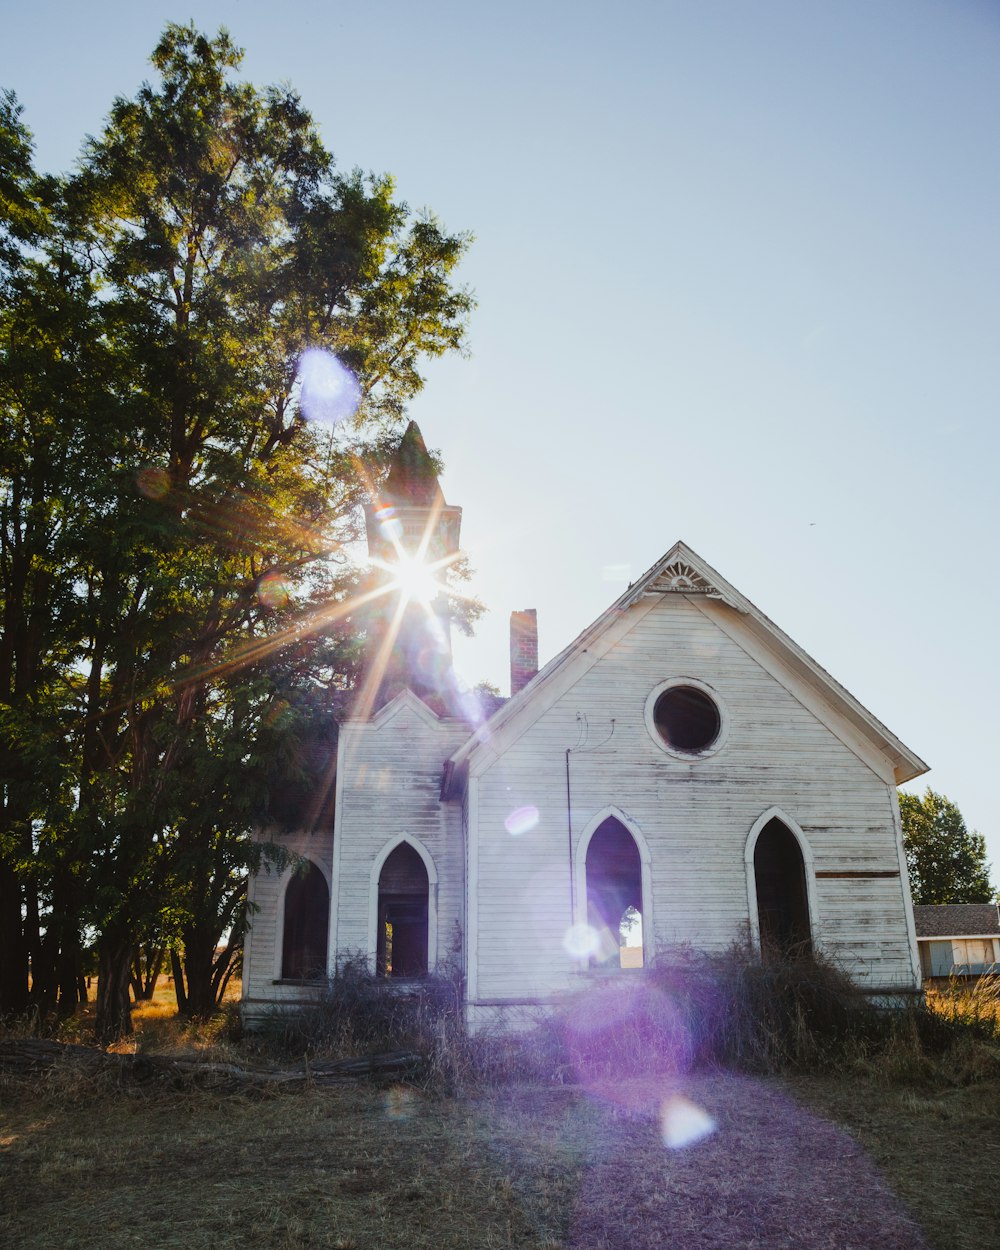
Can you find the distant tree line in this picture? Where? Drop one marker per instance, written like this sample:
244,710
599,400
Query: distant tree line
175,588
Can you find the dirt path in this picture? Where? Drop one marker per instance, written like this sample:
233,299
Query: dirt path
769,1174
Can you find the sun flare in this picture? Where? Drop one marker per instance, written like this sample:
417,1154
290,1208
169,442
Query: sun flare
415,579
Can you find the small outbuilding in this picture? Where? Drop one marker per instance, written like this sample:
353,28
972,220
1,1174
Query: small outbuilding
957,939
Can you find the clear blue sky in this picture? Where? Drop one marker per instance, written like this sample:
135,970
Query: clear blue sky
737,268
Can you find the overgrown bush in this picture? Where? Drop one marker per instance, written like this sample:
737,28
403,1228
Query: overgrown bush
361,1014
740,1012
689,1010
734,1010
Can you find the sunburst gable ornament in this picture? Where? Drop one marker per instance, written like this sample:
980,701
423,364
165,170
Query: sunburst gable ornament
680,578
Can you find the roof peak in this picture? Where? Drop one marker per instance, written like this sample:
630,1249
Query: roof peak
413,476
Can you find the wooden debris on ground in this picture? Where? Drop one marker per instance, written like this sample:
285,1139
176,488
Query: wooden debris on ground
29,1057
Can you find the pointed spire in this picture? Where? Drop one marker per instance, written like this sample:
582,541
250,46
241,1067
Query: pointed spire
412,476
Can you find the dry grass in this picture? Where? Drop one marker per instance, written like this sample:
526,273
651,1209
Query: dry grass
158,1027
938,1146
334,1169
369,1169
87,1164
975,1003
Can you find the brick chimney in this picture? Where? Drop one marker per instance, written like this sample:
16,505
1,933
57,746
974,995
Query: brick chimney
523,648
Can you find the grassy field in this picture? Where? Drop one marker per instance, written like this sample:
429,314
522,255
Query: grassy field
360,1167
804,1163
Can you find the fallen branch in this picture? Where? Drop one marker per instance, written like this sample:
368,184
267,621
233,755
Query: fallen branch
37,1057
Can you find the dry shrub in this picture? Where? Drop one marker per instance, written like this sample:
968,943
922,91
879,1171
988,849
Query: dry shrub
361,1014
735,1010
689,1010
76,1028
739,1012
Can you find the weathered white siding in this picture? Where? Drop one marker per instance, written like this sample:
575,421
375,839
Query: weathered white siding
262,986
389,783
388,786
695,815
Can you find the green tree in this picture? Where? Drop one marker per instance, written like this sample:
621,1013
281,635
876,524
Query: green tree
52,375
946,860
202,521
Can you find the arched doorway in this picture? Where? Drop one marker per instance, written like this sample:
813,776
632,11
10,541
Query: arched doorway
306,925
402,930
614,895
782,898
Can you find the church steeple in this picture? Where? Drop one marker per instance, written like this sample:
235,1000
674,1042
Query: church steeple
410,511
413,535
412,476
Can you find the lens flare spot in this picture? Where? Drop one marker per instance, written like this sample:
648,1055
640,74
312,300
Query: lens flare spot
398,1103
330,392
272,590
389,523
683,1122
521,820
581,941
153,482
276,712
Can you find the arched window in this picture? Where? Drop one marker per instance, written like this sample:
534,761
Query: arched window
782,899
614,895
307,925
403,897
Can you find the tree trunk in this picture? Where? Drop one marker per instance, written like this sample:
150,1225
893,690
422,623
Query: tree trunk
69,981
65,930
40,952
14,964
199,955
114,1010
146,968
177,968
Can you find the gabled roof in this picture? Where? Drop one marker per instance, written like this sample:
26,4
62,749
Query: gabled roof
957,920
683,572
405,699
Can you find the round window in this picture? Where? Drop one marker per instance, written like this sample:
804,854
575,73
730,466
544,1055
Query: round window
687,719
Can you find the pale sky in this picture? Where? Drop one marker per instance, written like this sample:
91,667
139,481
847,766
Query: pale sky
737,269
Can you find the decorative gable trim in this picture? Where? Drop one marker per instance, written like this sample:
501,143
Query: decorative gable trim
681,578
682,572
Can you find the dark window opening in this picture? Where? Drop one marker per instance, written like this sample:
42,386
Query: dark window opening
687,719
307,926
614,895
403,895
782,900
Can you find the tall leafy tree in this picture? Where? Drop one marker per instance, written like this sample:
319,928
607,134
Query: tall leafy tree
210,243
946,860
51,391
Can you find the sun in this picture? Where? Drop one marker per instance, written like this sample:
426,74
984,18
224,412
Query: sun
416,580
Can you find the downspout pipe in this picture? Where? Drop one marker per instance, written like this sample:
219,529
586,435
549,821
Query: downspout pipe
569,841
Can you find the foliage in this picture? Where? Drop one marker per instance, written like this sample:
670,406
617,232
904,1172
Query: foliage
946,860
175,578
359,1014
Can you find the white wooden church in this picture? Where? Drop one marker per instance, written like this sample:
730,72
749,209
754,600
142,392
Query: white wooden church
682,773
